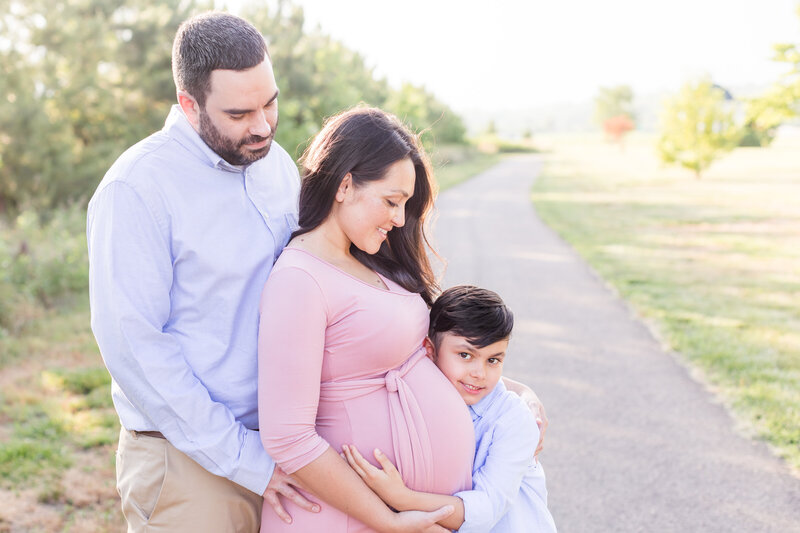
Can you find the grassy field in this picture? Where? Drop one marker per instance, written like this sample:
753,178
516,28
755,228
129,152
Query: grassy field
454,164
712,264
58,428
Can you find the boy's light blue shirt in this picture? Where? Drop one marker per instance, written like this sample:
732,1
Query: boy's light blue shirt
180,246
509,493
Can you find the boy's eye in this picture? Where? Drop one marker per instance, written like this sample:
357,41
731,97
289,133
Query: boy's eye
494,361
464,355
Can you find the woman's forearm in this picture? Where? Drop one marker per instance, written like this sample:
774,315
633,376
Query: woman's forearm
331,479
426,501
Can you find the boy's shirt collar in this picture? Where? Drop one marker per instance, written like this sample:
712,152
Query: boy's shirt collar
480,408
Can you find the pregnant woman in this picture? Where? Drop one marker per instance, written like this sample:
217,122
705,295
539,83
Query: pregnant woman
343,317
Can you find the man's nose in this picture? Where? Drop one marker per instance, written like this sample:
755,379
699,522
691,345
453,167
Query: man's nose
260,125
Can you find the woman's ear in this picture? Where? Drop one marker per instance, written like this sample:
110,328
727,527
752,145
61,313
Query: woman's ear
344,187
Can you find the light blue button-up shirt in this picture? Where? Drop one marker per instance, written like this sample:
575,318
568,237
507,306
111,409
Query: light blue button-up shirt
508,486
180,245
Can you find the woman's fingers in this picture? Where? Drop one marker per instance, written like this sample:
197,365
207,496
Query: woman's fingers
351,459
384,461
365,465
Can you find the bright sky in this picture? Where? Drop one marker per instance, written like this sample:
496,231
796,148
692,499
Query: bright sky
508,54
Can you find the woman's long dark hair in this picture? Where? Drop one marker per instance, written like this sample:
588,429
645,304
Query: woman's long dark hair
365,142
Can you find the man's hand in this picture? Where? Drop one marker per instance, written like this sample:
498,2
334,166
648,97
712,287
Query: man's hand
385,481
283,484
534,404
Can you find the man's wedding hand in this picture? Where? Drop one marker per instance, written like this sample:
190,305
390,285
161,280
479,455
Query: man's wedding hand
283,484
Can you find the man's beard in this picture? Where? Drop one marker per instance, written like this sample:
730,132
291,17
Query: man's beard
232,151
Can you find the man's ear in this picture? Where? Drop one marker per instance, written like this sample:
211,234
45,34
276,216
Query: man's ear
344,186
190,108
430,351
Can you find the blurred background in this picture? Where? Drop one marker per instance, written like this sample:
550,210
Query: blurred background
669,131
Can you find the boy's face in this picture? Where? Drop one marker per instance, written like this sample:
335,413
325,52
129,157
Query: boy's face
473,371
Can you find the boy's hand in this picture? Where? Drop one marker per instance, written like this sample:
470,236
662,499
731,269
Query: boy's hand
385,481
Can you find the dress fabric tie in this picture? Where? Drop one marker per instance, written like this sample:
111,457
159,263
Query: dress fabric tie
410,438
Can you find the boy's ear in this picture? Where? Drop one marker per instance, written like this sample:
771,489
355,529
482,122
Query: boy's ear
430,351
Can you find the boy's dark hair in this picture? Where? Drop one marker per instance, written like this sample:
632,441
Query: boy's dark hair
479,315
212,41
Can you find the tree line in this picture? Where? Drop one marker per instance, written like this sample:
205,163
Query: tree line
703,120
84,79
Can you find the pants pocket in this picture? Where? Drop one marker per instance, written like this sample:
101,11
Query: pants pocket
141,472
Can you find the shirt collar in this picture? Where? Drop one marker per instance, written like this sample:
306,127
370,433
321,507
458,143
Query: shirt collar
480,408
178,127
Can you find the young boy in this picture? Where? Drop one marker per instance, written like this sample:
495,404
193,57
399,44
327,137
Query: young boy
468,336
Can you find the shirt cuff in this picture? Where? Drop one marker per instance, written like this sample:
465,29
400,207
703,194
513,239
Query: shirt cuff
255,465
477,512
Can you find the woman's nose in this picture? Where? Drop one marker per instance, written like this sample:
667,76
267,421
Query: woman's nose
399,218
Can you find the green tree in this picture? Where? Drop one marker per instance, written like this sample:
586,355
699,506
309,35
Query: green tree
82,80
781,101
612,102
697,126
426,114
317,75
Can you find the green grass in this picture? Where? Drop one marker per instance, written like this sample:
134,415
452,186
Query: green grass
66,411
453,165
713,264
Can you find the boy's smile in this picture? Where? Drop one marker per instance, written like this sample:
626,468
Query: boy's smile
473,371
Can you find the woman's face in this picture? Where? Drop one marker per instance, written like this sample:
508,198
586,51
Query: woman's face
366,214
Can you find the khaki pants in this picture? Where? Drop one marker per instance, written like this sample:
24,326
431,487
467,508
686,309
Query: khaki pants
163,490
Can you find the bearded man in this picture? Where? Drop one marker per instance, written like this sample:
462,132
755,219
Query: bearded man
183,231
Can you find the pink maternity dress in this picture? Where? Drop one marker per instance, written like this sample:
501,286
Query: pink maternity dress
341,362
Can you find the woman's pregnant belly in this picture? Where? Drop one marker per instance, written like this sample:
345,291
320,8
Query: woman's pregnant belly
432,429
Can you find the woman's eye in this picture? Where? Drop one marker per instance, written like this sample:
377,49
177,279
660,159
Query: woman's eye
391,203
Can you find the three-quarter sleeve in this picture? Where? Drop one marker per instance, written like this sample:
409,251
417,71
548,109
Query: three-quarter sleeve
291,343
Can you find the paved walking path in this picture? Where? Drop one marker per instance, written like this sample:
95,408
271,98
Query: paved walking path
635,444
